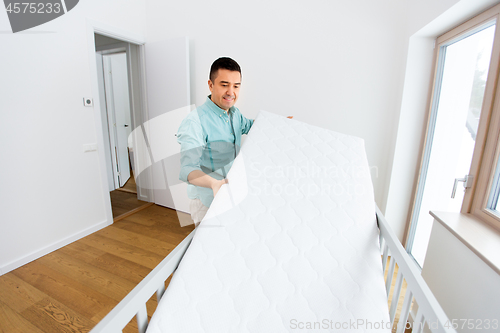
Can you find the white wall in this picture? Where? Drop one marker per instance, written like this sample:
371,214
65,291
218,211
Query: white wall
51,191
465,286
336,64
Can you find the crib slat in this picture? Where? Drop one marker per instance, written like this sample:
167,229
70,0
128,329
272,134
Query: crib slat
160,292
142,319
405,311
395,296
418,323
382,244
384,259
380,240
390,276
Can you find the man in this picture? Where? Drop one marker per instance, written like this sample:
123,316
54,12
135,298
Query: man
210,137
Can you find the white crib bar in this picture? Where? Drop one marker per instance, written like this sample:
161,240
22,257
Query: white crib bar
418,322
390,275
142,319
160,292
395,296
385,254
134,304
405,311
416,286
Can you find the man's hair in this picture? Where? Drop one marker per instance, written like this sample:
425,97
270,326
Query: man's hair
223,63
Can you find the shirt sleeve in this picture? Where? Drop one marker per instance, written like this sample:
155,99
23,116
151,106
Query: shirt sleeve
190,137
246,124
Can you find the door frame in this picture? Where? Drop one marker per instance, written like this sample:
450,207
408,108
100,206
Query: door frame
138,101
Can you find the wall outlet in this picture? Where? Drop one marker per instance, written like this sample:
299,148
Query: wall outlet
87,101
89,147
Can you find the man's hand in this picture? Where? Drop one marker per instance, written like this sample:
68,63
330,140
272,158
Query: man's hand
216,185
199,178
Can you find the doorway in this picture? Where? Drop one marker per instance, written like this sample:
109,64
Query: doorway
159,89
115,92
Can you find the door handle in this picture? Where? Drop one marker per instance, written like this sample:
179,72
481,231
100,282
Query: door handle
467,180
126,125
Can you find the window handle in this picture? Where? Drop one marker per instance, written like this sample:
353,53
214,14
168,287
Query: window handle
467,180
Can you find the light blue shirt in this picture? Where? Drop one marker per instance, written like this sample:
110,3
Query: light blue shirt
210,139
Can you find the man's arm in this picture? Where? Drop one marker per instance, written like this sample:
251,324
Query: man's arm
190,136
199,178
246,123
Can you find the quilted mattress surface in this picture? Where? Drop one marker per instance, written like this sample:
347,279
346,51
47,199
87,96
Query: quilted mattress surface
289,245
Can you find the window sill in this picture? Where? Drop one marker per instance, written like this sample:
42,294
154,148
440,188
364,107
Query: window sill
481,238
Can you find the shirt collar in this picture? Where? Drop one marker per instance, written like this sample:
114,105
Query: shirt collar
215,108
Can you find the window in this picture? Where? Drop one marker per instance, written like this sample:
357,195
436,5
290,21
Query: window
463,132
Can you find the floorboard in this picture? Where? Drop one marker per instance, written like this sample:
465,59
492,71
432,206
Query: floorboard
74,295
49,315
106,261
18,294
90,276
12,322
122,202
123,250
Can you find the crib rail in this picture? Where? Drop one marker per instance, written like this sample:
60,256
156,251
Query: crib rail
429,313
134,304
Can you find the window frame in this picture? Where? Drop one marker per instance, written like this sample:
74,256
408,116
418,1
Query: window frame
487,145
487,166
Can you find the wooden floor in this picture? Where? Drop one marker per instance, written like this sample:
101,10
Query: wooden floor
130,185
124,199
73,288
123,202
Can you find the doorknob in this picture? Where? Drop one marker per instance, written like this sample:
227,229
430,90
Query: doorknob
126,125
467,180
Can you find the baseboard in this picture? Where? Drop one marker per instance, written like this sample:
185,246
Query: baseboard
52,247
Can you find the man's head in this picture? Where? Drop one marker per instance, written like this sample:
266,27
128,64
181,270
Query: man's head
224,82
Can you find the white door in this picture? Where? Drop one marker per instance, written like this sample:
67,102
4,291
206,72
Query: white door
168,98
104,120
118,107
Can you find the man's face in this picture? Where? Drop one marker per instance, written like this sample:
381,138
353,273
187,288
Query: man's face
225,88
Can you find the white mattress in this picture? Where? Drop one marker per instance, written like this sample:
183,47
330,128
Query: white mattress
290,244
